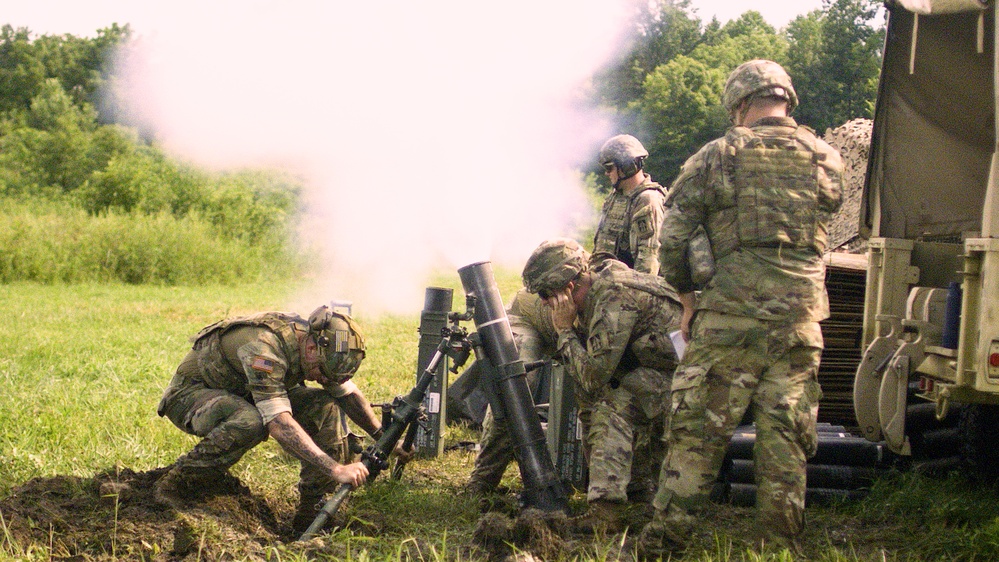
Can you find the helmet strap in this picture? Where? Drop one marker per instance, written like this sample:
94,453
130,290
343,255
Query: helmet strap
636,164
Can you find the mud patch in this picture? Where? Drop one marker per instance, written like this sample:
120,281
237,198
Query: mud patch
114,514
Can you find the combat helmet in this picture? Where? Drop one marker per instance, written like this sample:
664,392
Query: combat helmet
625,152
340,342
761,78
553,265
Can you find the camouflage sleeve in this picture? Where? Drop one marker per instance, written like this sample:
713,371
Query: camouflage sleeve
265,368
685,210
646,222
607,339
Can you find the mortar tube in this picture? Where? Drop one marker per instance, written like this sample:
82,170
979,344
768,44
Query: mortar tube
502,365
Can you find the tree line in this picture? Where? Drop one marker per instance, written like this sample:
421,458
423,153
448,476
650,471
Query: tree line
61,144
666,87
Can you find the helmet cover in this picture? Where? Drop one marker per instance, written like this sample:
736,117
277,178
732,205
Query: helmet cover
554,264
340,343
758,78
624,151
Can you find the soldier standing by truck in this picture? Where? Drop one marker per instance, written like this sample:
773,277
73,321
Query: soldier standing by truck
764,194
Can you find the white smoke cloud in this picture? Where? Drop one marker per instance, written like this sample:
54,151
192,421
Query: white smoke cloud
431,134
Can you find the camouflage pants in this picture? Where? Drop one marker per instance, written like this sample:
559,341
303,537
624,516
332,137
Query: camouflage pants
732,364
623,452
230,425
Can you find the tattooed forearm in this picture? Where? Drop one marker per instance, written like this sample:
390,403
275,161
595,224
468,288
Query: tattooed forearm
286,431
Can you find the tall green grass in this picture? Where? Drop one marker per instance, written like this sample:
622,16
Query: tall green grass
51,242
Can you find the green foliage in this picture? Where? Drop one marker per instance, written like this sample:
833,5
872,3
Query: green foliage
116,207
81,66
661,30
835,62
57,243
680,108
667,88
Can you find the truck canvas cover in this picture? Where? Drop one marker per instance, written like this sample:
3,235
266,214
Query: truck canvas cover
934,129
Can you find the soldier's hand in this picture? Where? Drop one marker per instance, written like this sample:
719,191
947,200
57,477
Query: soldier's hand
563,309
354,474
685,318
689,303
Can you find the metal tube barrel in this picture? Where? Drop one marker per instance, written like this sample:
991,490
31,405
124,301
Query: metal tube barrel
542,488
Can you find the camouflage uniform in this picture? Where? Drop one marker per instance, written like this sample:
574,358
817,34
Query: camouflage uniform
240,374
629,226
535,336
623,369
764,195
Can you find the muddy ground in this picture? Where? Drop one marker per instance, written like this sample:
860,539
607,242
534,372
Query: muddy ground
112,516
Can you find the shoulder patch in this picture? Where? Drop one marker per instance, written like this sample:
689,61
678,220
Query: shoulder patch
263,364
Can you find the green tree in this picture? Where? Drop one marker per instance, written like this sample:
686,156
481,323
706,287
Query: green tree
81,65
660,31
55,145
680,108
21,72
835,60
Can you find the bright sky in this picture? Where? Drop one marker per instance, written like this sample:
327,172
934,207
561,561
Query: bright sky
84,17
429,134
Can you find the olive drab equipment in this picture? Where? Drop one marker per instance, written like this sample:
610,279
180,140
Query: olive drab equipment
772,190
340,343
931,218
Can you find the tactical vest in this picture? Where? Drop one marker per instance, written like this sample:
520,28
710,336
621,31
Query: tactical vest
772,185
652,285
213,361
646,283
613,217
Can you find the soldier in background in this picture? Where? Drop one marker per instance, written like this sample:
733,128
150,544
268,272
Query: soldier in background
244,380
628,231
632,213
764,193
613,326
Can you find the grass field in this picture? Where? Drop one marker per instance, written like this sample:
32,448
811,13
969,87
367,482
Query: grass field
82,368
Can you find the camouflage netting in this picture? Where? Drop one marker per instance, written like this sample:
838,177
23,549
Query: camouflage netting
853,140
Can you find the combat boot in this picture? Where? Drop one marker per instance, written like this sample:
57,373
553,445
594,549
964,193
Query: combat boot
602,516
664,535
182,484
478,488
170,489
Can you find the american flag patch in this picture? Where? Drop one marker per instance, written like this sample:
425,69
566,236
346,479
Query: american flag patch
263,364
340,343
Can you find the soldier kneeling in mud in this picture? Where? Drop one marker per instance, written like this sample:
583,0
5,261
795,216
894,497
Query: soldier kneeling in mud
244,380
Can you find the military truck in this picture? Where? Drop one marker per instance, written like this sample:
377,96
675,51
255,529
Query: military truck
930,211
